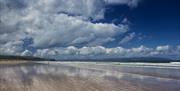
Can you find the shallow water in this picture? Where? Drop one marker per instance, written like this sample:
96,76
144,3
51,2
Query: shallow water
86,77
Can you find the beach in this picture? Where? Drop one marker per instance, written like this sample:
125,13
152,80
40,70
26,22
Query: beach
89,76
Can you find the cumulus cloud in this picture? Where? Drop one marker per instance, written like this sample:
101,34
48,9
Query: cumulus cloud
26,53
163,48
11,48
140,51
51,23
66,30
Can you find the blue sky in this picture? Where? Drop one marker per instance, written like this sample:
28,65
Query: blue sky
90,28
157,20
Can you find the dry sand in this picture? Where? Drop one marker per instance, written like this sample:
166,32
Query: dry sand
62,77
6,62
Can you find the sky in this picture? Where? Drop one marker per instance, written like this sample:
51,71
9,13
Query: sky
65,29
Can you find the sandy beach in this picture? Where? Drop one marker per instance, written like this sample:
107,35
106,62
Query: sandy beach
47,76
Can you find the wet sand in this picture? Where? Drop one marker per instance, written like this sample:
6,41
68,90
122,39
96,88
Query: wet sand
86,77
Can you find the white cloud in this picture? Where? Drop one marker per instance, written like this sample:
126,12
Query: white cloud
163,48
127,38
140,51
66,30
131,3
52,23
87,8
26,53
11,48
